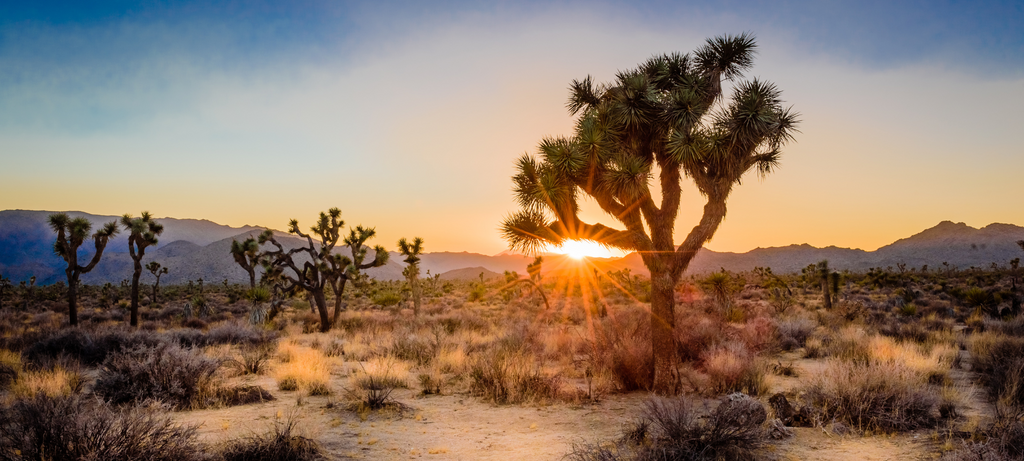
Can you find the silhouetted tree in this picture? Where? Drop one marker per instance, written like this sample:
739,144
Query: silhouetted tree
154,268
322,269
246,254
668,113
143,233
412,252
70,235
344,269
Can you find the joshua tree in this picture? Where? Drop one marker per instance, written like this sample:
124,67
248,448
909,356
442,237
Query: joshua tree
143,233
412,252
344,269
323,267
154,268
825,275
246,254
70,235
668,117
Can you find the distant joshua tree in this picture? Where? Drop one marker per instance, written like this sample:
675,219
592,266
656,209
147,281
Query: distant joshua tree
144,231
826,282
412,252
246,254
667,117
70,235
324,266
154,268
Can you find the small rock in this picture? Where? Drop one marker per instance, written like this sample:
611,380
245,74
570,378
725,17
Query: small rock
778,431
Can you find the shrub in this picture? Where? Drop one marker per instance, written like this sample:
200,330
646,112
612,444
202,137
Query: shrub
885,395
280,444
798,329
672,429
254,359
503,376
69,427
1000,360
180,377
379,379
732,368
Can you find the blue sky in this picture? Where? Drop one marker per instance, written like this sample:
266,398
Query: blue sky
408,116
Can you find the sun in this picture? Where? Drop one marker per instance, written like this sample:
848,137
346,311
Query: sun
579,249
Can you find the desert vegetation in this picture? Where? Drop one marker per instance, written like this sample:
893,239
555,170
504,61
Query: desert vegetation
899,352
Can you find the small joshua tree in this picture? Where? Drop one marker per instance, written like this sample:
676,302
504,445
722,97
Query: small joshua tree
412,252
345,269
826,281
70,235
154,268
246,254
144,231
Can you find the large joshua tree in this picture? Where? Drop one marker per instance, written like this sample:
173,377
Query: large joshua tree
323,267
663,121
143,233
246,254
71,233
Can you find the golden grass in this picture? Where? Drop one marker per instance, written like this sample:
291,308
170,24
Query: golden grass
306,369
53,383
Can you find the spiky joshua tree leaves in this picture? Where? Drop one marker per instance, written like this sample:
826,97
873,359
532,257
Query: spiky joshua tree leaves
324,267
669,113
70,235
246,254
412,252
143,233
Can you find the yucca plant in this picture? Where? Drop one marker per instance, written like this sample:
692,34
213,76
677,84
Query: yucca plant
669,113
412,252
259,297
70,235
143,233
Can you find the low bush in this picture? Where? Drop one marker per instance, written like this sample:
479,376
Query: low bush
182,378
70,427
673,429
279,444
503,376
1000,360
883,395
306,369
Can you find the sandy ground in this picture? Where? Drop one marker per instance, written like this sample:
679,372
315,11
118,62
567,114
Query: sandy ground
461,427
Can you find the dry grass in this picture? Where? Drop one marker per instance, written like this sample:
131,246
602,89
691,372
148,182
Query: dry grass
306,370
55,382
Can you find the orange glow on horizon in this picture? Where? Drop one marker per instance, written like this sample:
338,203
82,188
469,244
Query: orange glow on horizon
579,249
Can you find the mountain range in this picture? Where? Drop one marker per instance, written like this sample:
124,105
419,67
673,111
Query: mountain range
193,248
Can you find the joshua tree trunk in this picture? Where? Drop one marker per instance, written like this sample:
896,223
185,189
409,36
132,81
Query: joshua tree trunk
826,292
321,306
663,344
135,292
72,299
416,296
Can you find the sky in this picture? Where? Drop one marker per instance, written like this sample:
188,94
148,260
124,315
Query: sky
408,116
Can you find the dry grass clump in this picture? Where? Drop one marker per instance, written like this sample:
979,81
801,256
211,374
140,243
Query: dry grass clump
53,382
305,369
378,379
1000,360
279,444
673,429
505,376
733,368
885,395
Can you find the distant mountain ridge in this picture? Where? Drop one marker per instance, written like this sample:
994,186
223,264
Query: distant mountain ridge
193,248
